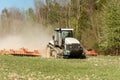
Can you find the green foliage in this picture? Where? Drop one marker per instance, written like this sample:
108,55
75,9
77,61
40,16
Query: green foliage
100,4
5,12
83,21
111,31
53,15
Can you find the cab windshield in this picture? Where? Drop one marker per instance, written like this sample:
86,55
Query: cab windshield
67,34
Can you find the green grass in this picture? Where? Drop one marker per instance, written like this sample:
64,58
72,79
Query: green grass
36,68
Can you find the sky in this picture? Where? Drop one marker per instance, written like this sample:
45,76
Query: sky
21,4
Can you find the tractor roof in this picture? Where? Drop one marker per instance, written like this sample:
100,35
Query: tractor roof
64,29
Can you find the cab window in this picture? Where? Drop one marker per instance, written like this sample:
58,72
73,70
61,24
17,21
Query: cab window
67,34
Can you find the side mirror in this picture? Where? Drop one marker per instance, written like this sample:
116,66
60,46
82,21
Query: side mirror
53,37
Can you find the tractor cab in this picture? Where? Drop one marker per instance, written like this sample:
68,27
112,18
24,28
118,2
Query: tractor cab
60,35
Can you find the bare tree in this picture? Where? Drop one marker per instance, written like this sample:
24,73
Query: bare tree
39,6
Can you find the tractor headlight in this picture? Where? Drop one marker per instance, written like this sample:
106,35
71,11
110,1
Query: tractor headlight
70,46
67,52
79,46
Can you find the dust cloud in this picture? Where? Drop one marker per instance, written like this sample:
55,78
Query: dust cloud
28,35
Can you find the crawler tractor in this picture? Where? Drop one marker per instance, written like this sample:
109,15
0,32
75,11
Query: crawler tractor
63,45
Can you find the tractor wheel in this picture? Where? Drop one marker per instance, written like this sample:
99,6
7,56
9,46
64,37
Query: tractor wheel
65,57
54,54
48,53
82,56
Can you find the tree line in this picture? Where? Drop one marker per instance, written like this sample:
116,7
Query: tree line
96,23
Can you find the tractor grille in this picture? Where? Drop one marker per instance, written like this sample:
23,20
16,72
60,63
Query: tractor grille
73,47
